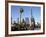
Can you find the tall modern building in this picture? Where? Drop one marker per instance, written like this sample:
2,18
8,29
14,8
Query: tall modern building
32,21
11,20
17,20
27,20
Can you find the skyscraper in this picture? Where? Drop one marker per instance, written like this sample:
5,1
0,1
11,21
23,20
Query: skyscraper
18,20
27,20
32,21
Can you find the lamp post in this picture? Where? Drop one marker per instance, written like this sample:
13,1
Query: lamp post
21,11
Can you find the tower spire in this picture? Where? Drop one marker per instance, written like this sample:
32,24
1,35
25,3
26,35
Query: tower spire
31,12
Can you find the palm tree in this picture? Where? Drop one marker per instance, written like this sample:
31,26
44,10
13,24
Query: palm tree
21,11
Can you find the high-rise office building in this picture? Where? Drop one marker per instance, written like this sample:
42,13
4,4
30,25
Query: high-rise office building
32,21
18,20
27,20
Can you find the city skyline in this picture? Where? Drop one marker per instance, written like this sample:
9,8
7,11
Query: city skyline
15,13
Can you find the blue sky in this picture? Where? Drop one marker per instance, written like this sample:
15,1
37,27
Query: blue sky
15,13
